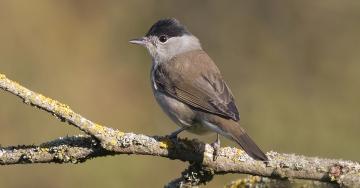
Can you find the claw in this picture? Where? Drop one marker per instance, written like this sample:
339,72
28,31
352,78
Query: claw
173,135
216,146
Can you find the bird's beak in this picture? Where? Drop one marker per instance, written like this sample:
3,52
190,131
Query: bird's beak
140,41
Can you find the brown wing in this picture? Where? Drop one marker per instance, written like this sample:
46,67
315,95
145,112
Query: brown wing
194,79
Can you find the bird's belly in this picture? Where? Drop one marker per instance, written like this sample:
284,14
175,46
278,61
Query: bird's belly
180,113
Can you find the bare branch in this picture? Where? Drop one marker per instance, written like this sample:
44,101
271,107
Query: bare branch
59,110
193,176
106,141
256,181
230,160
63,150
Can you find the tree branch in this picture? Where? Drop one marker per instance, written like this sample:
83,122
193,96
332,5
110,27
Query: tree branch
103,141
256,181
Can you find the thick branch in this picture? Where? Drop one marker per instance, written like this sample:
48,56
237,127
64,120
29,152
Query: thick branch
109,141
256,181
62,150
230,160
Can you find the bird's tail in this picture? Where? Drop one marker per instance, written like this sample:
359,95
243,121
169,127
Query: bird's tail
246,143
232,130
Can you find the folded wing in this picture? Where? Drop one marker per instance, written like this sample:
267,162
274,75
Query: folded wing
201,88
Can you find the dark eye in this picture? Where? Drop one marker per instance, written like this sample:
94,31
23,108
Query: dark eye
163,38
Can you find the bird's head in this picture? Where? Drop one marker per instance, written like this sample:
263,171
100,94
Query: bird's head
166,39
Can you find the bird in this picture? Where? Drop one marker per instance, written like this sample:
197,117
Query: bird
189,87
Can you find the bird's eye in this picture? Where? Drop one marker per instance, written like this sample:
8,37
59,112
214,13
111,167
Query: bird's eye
163,38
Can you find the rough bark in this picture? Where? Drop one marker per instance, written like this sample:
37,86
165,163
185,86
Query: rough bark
259,182
103,141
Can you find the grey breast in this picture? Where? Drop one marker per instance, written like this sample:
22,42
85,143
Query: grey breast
178,111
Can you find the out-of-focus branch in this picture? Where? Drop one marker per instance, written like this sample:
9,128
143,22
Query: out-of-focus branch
106,141
257,181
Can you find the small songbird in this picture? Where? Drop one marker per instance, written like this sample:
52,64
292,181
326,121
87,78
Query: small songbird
189,87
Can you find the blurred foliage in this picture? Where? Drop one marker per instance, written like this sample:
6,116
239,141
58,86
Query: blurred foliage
293,67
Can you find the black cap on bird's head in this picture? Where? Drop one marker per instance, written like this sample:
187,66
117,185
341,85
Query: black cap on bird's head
170,27
162,31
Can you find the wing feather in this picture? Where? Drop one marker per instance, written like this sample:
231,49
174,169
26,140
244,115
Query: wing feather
202,87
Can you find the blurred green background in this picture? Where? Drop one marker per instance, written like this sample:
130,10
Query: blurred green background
293,67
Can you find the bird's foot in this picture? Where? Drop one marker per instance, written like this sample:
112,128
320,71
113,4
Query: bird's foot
173,137
216,147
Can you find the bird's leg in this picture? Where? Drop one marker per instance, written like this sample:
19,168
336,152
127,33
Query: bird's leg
216,146
174,134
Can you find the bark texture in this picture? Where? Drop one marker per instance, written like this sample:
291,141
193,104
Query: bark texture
102,141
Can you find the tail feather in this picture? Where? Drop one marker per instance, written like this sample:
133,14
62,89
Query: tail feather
232,130
248,145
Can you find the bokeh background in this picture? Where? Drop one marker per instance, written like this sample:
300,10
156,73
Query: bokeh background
293,66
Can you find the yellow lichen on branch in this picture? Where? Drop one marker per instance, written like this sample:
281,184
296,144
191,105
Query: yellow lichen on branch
56,108
109,141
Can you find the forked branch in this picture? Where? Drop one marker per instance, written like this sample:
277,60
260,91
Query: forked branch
103,141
